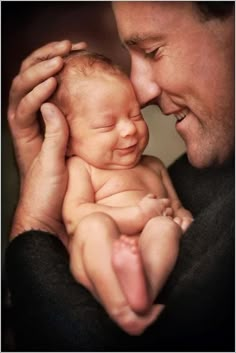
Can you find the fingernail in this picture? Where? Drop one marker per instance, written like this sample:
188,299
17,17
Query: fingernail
47,110
80,45
52,62
63,43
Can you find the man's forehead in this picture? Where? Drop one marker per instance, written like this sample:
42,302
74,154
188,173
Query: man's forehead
144,21
139,21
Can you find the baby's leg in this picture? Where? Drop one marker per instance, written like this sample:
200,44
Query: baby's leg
127,264
159,246
90,253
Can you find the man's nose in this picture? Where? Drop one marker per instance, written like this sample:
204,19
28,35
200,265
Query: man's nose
144,82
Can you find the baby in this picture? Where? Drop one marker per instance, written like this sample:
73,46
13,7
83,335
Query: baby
122,214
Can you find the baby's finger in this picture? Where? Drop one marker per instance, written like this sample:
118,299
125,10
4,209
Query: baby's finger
168,212
151,196
187,221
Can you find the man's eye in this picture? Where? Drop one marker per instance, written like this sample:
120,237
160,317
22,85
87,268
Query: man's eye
151,54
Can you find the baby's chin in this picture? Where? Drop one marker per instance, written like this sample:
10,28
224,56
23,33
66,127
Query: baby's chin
125,163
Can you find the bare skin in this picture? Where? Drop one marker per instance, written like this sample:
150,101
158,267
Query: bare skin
107,138
128,266
128,256
99,231
35,165
41,161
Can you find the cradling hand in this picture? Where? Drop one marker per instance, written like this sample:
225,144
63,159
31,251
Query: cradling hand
33,85
40,159
44,184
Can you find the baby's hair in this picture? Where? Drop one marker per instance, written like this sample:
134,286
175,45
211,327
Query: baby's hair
81,64
90,60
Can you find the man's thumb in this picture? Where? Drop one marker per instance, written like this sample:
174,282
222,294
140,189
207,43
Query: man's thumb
56,131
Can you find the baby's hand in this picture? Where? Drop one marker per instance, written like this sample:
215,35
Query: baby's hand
183,217
151,207
183,222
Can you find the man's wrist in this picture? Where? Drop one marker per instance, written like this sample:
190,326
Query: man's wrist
24,221
25,224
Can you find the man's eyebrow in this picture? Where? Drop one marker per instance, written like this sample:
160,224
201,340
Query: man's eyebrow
134,40
138,38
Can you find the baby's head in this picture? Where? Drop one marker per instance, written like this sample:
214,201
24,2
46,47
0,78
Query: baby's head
106,125
80,68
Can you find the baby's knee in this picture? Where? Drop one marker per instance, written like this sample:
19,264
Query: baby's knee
95,223
161,226
161,222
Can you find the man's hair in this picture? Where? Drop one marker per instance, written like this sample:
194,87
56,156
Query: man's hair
80,64
215,9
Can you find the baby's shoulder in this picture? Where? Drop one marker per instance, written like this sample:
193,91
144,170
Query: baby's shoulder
75,163
152,162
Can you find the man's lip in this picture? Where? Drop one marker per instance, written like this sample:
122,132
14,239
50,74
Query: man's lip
180,113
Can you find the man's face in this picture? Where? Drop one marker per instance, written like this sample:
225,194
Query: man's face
185,65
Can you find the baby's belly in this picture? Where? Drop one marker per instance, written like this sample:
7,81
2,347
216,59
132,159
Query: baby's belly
123,199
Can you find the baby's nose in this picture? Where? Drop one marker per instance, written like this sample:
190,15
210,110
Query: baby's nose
127,128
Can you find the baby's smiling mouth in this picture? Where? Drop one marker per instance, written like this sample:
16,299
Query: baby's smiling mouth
127,149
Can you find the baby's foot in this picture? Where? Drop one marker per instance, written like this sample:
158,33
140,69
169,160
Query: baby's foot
127,264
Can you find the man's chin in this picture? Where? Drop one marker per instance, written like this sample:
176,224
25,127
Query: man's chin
200,160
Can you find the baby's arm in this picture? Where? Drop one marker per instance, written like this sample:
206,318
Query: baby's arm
80,202
176,205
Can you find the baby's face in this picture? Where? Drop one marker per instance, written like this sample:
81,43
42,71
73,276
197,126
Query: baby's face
107,129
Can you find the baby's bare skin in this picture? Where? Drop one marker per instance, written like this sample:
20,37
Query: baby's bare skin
140,188
127,263
114,190
126,187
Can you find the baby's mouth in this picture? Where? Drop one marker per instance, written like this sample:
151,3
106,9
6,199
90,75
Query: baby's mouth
127,149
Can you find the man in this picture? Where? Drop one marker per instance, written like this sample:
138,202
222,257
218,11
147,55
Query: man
182,59
174,60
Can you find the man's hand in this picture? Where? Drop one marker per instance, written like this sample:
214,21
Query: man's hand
44,184
40,161
30,89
